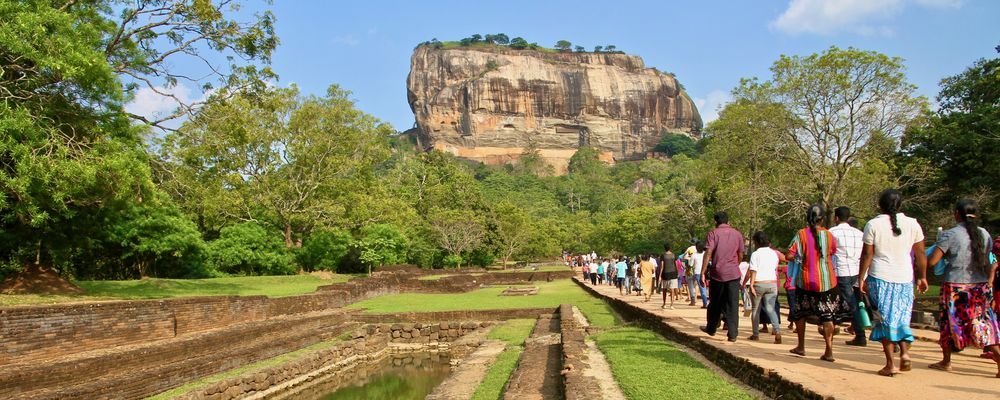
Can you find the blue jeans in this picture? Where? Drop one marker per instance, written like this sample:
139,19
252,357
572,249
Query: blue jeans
846,286
766,295
702,289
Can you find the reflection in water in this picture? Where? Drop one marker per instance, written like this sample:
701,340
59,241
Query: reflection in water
398,377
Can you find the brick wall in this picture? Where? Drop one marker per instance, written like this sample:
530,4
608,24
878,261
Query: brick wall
461,315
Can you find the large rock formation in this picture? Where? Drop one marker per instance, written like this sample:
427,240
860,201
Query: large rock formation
490,104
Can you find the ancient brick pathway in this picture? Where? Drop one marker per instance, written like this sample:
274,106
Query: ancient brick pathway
537,375
853,375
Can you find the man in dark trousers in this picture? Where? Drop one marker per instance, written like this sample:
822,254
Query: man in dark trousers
724,248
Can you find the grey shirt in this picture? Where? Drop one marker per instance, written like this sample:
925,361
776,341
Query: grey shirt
958,257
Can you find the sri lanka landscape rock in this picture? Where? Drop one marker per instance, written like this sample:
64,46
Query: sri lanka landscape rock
490,104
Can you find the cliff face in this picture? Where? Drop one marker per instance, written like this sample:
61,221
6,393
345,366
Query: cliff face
491,104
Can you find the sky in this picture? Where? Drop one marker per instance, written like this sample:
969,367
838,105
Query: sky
365,46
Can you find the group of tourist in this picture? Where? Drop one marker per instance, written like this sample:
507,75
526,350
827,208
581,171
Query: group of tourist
834,275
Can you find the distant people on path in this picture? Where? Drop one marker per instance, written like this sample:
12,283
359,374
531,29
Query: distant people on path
696,261
601,269
585,268
848,267
889,240
668,275
724,249
744,287
646,271
621,272
594,271
816,294
966,317
763,281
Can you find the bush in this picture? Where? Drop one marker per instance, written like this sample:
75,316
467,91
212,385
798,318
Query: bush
481,258
249,249
324,250
452,260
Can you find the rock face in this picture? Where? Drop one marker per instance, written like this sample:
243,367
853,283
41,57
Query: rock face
491,104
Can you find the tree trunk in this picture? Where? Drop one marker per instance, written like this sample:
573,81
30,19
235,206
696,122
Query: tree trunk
288,235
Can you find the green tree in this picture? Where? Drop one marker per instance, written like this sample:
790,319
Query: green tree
518,43
511,230
457,231
249,249
610,48
580,49
501,39
476,38
598,49
324,249
673,144
564,46
158,240
381,244
961,139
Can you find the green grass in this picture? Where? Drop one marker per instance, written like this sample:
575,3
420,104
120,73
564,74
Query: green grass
154,288
514,332
550,294
634,352
249,368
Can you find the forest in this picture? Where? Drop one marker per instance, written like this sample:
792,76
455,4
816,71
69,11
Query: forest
261,179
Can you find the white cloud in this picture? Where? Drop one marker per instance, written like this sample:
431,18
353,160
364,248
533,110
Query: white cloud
347,40
709,106
863,17
150,104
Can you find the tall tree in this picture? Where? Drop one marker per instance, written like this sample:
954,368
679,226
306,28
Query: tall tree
564,45
458,231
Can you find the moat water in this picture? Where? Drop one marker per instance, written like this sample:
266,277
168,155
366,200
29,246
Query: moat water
398,377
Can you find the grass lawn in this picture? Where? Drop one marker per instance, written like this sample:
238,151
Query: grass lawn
550,294
514,332
154,288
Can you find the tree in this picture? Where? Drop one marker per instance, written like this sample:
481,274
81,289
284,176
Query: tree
511,230
580,49
610,48
501,39
381,244
158,240
564,45
518,43
673,144
842,102
249,249
457,230
284,157
324,249
597,49
476,38
961,139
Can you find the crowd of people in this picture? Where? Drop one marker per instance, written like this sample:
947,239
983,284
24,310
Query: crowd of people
832,274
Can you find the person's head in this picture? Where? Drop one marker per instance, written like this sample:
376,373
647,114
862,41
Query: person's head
644,257
666,247
889,203
760,239
853,222
814,217
841,215
699,247
966,212
720,218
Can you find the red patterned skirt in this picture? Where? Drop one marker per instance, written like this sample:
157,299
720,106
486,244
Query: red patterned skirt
966,317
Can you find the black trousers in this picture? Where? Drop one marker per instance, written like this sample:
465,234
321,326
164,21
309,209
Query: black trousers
724,300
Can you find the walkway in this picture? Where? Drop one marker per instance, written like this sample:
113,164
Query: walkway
853,375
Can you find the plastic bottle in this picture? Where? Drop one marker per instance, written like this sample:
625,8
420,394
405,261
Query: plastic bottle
865,321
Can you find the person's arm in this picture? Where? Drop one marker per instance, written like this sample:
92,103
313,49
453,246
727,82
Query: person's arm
936,257
920,262
990,281
704,267
867,253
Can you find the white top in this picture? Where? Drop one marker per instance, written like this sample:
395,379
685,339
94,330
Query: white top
765,262
848,256
744,267
891,260
697,258
652,260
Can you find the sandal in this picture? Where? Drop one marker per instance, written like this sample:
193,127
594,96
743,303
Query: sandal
938,366
827,358
890,373
797,351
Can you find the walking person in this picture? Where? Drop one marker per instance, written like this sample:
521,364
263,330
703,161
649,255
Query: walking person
593,271
745,288
966,317
600,272
763,281
668,275
696,260
887,268
585,267
816,293
724,249
621,271
645,272
847,262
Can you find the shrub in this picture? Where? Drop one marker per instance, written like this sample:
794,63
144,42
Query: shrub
249,249
324,249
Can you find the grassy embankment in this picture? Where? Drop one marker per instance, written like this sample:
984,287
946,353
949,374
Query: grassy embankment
631,351
514,332
271,286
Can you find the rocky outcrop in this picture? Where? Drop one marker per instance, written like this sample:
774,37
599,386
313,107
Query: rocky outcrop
490,104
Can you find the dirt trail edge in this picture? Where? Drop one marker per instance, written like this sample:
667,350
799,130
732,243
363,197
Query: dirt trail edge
537,375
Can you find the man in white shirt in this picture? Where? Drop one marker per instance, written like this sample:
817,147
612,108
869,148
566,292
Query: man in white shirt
847,263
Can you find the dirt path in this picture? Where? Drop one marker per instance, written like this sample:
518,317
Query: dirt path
598,368
853,375
466,376
537,375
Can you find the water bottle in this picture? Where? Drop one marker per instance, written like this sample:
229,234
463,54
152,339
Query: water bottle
865,321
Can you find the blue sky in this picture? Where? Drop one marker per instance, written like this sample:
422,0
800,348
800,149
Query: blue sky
365,46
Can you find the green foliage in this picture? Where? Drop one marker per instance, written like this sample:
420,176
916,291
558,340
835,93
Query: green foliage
518,43
563,45
673,144
324,249
491,388
250,249
381,244
160,241
513,331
